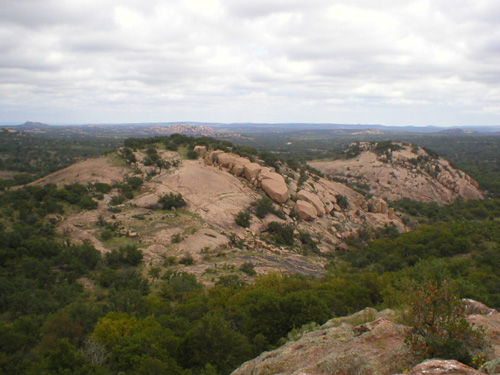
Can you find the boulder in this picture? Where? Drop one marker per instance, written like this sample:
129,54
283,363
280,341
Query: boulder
238,170
313,199
251,171
266,173
377,205
474,307
442,367
227,160
239,166
329,207
492,367
200,150
490,323
305,210
277,190
214,155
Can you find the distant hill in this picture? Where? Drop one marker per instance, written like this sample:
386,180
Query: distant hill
234,130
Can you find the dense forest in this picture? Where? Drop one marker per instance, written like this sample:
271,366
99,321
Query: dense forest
68,309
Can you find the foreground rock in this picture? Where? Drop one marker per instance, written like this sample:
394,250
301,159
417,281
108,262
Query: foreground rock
339,347
369,343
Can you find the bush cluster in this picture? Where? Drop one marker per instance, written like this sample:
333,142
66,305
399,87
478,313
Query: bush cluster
172,200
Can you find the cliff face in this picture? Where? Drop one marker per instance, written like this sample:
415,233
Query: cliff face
403,172
366,343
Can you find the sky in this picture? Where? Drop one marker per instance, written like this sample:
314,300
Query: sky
391,62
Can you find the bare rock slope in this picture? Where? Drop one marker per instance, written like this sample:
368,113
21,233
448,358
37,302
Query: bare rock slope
399,171
216,187
366,343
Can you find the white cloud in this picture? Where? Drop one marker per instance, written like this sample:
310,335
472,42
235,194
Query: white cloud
250,60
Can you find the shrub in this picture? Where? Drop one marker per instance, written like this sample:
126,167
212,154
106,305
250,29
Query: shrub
230,281
192,154
117,199
308,243
342,201
187,260
172,200
106,235
87,203
242,219
170,261
134,182
101,187
125,256
248,268
177,238
264,206
178,284
281,233
440,329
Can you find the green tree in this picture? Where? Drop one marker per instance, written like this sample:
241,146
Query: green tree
172,200
440,329
212,341
242,219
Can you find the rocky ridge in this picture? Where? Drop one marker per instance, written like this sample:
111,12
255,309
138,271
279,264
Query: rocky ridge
400,171
216,187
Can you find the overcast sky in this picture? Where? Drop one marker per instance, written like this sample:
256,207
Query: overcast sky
392,62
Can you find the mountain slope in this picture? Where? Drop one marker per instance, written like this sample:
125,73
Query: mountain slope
395,171
309,217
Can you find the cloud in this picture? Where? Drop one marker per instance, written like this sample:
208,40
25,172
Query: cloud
274,60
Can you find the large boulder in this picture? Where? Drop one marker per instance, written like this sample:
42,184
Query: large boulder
267,173
251,171
276,189
238,166
214,156
227,160
200,150
305,210
313,199
238,169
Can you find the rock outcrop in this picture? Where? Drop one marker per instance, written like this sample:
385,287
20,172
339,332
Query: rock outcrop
272,183
405,172
305,210
339,347
368,342
275,188
200,150
252,170
312,199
